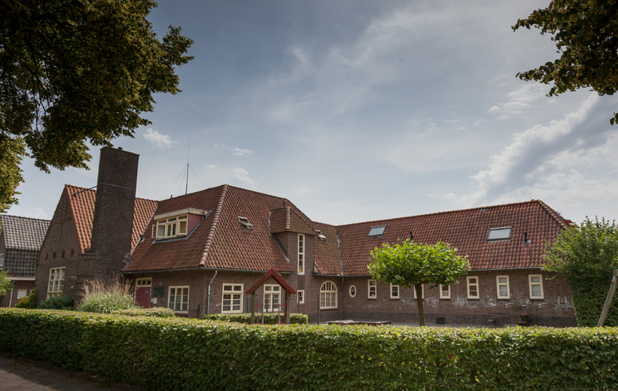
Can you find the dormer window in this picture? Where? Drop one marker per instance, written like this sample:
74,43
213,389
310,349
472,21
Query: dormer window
503,233
375,232
246,225
177,224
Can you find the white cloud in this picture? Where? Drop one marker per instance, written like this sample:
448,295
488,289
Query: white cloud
559,163
518,101
211,166
241,152
243,175
162,141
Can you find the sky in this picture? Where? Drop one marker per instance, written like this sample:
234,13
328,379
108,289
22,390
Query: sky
363,110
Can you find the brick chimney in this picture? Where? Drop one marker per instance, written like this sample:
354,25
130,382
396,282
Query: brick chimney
112,227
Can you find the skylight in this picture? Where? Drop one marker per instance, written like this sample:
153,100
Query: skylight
320,234
376,231
503,233
245,223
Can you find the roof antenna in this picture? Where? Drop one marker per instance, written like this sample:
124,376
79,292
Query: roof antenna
188,156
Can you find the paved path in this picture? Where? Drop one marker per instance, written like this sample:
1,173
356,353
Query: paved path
17,375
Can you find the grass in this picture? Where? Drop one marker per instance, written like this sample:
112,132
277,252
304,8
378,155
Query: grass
105,296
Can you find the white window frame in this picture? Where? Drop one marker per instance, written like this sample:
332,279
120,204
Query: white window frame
372,289
540,283
172,305
300,296
447,294
422,291
21,293
352,288
232,292
55,286
301,254
270,292
499,231
328,296
171,227
476,284
499,284
397,296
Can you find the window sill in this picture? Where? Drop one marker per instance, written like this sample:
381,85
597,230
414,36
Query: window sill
474,298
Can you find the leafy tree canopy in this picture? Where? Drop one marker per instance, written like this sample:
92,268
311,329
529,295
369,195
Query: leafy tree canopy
74,72
586,35
5,283
410,264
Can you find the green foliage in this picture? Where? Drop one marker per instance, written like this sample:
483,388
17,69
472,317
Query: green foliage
246,318
157,312
185,354
106,296
58,303
6,285
585,33
410,264
586,255
74,73
28,302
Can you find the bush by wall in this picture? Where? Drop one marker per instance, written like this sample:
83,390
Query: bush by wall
185,354
58,303
157,312
246,318
28,302
105,296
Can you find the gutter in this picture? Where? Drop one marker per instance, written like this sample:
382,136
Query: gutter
200,268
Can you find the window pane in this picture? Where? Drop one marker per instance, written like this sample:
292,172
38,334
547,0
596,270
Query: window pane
502,280
503,291
183,227
536,290
499,233
237,288
161,230
535,279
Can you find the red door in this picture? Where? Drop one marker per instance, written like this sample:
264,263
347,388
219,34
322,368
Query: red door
142,296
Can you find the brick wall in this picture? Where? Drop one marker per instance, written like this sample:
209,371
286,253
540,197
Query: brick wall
27,286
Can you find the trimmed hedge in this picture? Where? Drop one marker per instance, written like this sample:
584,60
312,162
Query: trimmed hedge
158,312
246,318
61,302
186,354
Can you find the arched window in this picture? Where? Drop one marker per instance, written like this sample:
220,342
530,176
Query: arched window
328,295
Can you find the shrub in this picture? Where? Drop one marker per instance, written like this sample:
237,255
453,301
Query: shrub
58,303
186,354
246,318
157,312
105,296
28,302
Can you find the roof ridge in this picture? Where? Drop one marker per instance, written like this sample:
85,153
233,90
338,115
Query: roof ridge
438,213
213,226
23,217
553,214
302,218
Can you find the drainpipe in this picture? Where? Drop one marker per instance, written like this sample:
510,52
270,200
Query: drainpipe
11,298
208,300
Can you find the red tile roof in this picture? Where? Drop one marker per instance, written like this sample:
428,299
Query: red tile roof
467,230
82,202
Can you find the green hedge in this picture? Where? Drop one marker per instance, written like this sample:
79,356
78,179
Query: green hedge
185,354
158,312
246,318
589,291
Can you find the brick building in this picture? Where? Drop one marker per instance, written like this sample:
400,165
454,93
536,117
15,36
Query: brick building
200,252
20,241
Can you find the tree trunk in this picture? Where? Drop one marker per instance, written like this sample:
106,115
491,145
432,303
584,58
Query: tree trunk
419,301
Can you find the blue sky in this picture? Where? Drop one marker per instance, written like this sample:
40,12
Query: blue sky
361,110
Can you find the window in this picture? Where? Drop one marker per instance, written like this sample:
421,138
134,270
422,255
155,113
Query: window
143,282
352,291
328,295
301,254
394,291
375,232
246,225
422,291
503,287
372,289
1,261
56,282
232,298
536,286
272,298
301,297
503,233
179,299
445,291
473,288
171,228
22,293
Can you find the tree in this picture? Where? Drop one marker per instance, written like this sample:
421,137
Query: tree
586,255
6,285
74,72
410,264
586,35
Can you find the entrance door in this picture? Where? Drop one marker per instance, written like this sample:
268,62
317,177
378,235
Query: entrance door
143,292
